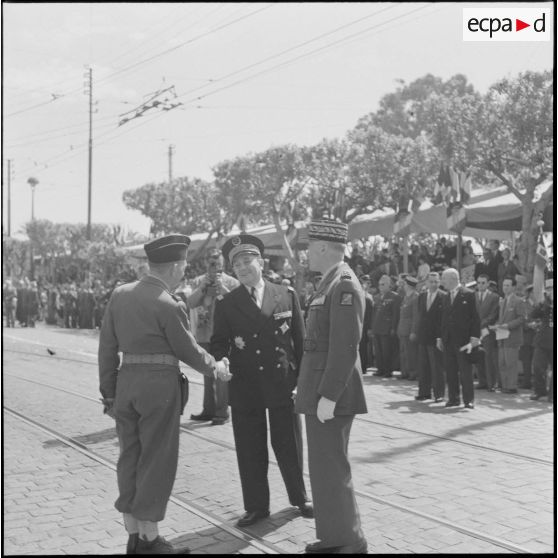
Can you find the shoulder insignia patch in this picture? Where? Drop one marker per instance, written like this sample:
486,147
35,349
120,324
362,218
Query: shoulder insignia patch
346,299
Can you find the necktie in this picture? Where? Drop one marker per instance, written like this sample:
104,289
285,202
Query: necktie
452,296
429,301
253,295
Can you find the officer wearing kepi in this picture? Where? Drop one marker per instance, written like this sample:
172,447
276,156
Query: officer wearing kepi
329,389
144,394
259,327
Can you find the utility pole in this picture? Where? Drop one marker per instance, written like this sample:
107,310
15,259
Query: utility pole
171,151
9,182
89,90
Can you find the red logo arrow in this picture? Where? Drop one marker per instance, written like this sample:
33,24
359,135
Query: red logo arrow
519,25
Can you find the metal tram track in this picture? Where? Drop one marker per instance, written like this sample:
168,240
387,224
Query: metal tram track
259,544
217,522
512,454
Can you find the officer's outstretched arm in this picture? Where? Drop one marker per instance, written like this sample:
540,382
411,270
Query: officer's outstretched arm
183,343
345,332
220,339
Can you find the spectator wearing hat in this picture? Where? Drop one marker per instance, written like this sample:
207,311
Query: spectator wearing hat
366,340
509,328
407,327
543,316
144,394
506,268
205,290
259,326
384,326
330,391
487,308
459,334
431,377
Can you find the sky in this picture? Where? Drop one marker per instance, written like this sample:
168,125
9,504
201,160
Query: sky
249,76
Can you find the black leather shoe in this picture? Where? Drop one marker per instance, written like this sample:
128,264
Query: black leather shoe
377,374
218,421
201,416
509,391
535,397
319,548
481,387
491,390
469,406
132,543
452,404
306,509
249,518
438,399
159,546
421,397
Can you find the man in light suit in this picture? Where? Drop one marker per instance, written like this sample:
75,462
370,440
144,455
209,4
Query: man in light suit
431,363
259,326
487,308
460,333
330,391
407,329
510,321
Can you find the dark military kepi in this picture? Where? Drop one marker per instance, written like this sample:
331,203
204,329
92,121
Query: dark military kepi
263,340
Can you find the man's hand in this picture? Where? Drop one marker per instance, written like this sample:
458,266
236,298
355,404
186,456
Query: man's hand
440,345
475,342
293,394
325,409
413,337
222,370
108,407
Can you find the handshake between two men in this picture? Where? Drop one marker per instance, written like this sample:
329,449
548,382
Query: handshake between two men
222,370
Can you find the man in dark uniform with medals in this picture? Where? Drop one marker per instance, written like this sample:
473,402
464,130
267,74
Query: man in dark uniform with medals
329,390
259,327
543,314
150,326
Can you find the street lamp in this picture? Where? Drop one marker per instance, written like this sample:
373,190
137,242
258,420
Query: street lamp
32,182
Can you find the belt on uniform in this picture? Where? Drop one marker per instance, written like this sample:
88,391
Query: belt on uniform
129,358
316,345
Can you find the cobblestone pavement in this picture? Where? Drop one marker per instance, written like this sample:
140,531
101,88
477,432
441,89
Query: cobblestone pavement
59,501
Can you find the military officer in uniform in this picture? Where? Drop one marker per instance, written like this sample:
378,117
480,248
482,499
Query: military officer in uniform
384,326
259,327
543,314
150,326
329,390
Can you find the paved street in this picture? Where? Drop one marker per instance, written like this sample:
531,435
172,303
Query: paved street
428,479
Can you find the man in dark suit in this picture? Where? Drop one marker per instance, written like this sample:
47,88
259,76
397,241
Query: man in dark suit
259,327
431,363
460,333
330,391
487,308
385,317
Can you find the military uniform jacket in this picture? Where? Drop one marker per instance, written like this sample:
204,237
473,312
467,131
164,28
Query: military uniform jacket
386,314
544,312
408,315
264,345
331,364
143,317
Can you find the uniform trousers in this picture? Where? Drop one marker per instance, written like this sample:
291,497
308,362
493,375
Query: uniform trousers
431,377
508,363
250,437
384,353
335,508
542,358
488,368
147,410
408,357
526,353
458,371
215,395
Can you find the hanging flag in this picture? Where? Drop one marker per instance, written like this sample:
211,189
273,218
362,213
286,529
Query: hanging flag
456,217
454,176
541,260
465,186
437,198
